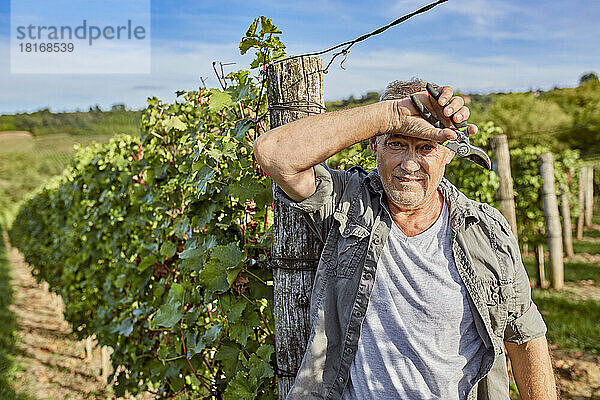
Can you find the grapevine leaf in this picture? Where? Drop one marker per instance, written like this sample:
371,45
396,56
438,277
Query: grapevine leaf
171,311
265,351
252,29
175,122
247,43
146,262
212,334
259,368
219,100
228,354
266,26
239,332
241,128
125,327
168,249
213,276
205,174
240,388
230,255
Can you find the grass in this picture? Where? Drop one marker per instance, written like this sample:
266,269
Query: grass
572,324
8,331
575,271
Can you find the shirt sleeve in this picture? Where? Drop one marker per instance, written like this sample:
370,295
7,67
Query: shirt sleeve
319,207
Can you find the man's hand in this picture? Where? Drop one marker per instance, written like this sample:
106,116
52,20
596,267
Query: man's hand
532,369
404,118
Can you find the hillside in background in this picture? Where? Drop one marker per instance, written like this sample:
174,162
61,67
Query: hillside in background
93,122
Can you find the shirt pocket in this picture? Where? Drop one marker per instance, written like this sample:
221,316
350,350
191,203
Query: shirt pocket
351,246
497,297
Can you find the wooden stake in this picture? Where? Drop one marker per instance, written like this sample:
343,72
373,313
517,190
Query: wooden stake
293,86
581,197
589,196
539,260
505,195
565,210
553,229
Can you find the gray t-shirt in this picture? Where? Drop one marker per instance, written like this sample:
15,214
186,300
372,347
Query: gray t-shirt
418,339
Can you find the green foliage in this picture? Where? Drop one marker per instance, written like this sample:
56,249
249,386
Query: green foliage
475,182
157,244
589,77
582,103
527,186
527,119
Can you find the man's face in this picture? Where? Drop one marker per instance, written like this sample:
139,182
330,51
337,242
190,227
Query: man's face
410,168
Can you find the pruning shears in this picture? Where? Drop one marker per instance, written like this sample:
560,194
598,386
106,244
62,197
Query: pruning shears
461,146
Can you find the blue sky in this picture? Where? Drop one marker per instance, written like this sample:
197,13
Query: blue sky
473,45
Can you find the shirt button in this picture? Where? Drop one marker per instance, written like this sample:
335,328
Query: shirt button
348,350
357,313
368,276
341,379
347,231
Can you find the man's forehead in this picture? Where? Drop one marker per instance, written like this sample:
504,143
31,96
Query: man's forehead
400,136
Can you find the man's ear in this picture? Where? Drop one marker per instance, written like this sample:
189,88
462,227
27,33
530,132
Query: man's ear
373,144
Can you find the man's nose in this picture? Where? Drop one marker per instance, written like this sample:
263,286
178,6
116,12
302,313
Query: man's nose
410,164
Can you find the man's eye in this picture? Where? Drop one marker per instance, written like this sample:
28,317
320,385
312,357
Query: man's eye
394,144
428,147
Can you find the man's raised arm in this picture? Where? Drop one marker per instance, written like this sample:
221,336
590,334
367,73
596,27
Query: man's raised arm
288,152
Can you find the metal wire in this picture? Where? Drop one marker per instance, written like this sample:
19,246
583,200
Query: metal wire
351,43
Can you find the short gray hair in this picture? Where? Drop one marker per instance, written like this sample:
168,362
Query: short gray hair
400,89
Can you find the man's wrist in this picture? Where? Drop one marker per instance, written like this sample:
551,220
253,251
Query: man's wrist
396,113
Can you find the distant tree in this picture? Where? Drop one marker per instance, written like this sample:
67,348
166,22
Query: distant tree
582,104
118,107
528,120
589,77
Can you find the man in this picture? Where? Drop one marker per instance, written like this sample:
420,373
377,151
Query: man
417,287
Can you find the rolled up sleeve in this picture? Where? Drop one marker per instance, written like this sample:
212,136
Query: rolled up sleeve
525,327
319,206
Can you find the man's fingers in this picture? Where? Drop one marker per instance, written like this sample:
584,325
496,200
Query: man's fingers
461,115
455,104
447,93
472,129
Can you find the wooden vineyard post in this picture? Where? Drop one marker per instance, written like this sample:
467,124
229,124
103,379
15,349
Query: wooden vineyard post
565,210
505,195
581,198
589,196
294,90
540,271
553,229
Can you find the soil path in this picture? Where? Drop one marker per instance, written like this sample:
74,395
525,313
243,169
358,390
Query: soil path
52,363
